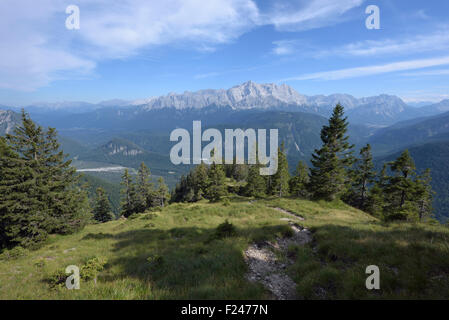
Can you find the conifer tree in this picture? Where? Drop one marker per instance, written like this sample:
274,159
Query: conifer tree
45,188
298,183
200,181
400,189
329,176
162,194
362,176
22,216
144,193
216,187
376,198
128,195
102,208
255,183
279,182
424,195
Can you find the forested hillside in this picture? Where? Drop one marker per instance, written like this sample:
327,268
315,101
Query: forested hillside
433,155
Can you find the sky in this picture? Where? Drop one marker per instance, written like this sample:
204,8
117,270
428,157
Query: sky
135,49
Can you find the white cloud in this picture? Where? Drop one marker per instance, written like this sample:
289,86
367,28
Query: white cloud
438,40
373,70
36,48
284,47
29,58
309,14
121,28
437,72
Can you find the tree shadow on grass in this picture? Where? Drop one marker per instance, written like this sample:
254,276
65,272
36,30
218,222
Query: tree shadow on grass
413,261
189,262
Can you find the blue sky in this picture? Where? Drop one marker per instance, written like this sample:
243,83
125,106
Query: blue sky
133,49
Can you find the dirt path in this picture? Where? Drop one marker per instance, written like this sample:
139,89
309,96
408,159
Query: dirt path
265,266
292,214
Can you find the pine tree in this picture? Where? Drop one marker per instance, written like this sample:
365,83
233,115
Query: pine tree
44,196
216,182
102,209
162,194
128,195
22,216
200,181
255,183
144,193
279,181
329,176
376,198
362,176
400,189
424,195
298,183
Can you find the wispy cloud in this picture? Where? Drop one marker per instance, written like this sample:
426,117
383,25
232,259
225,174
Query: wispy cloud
284,47
437,72
36,48
372,70
433,41
207,75
309,14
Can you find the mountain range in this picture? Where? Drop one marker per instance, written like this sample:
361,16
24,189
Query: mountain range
378,111
125,133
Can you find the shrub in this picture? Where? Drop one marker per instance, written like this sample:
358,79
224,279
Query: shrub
224,230
40,263
149,216
57,278
155,260
92,268
133,216
13,253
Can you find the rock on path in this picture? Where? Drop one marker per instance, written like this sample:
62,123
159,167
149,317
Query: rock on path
266,268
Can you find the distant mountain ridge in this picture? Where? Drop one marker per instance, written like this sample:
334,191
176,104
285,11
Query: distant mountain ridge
8,121
381,110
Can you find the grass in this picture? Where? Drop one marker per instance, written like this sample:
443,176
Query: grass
413,258
176,254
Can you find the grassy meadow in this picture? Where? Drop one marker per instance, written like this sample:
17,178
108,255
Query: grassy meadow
177,253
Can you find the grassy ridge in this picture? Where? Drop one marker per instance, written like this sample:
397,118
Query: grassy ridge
176,254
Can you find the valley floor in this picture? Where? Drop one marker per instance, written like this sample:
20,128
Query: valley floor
176,253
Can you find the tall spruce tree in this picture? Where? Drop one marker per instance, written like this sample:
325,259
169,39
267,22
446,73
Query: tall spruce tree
162,194
102,208
362,176
376,198
52,200
329,174
216,187
400,189
128,195
424,195
298,183
22,216
256,185
279,181
200,181
144,190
